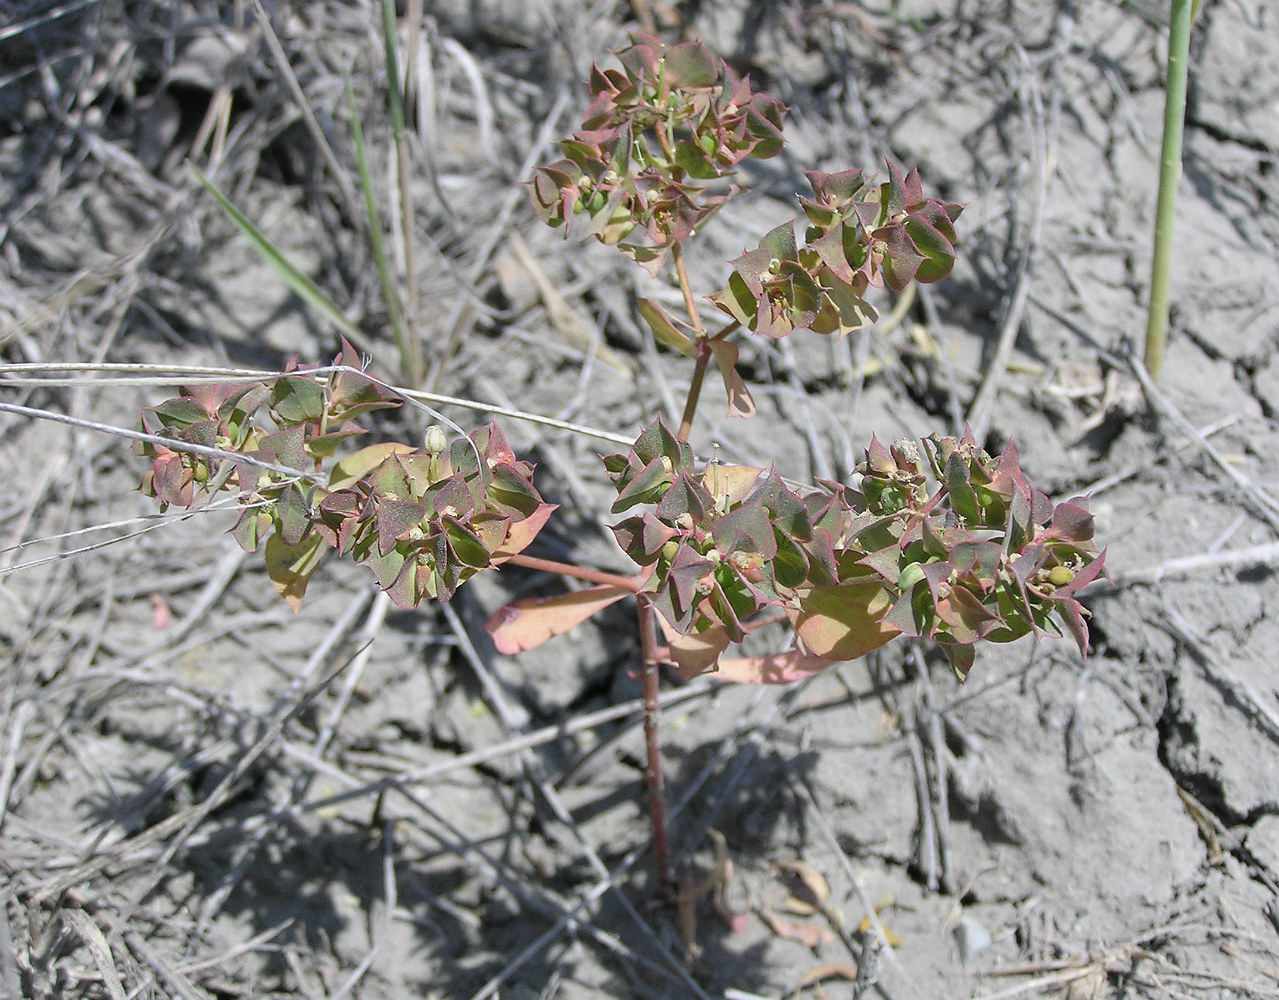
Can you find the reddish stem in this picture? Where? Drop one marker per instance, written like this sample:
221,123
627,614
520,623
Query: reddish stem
694,389
653,777
631,583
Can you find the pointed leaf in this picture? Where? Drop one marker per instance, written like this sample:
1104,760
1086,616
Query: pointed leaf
740,403
524,625
355,467
664,328
774,668
290,566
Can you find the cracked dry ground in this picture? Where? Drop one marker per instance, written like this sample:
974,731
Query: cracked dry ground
188,809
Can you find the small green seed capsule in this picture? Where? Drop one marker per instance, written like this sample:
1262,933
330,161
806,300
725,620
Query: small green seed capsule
670,550
910,576
201,472
1059,576
597,202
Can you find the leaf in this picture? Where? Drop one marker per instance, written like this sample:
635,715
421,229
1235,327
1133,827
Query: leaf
524,625
290,566
827,970
774,668
809,935
814,883
298,400
394,518
353,468
740,403
696,652
664,329
644,487
521,533
845,621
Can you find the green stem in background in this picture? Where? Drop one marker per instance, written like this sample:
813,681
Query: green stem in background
412,364
1183,14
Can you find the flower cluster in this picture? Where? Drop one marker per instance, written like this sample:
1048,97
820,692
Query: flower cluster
423,520
859,235
985,556
659,128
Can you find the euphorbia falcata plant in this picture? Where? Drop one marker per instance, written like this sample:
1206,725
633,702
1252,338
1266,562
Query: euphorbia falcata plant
945,542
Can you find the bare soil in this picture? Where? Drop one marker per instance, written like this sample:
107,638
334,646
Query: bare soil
204,796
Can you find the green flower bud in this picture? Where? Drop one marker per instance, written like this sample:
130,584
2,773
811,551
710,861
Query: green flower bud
910,576
434,440
670,550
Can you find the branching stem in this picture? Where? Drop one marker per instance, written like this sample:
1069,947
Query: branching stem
631,583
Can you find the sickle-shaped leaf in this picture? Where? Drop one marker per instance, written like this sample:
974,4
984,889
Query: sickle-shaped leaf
774,668
664,329
524,625
740,403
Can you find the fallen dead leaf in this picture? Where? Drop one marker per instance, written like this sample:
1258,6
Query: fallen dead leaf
827,970
808,934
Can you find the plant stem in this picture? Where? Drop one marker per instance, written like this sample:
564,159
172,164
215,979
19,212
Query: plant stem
694,390
653,777
1169,175
631,583
703,353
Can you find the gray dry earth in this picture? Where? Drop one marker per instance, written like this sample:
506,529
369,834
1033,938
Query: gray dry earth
172,819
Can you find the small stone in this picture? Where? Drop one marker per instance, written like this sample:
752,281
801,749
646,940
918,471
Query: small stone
971,937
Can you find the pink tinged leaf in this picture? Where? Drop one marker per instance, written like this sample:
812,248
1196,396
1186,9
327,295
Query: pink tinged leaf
1072,521
961,658
695,653
286,447
775,668
173,482
524,625
740,403
411,585
968,618
521,533
394,518
1089,573
290,566
845,621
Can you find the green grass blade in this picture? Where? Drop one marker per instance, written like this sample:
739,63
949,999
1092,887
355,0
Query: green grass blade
1183,12
302,286
376,245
